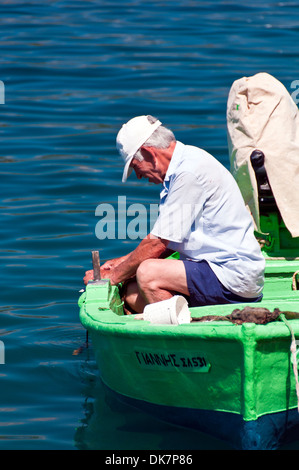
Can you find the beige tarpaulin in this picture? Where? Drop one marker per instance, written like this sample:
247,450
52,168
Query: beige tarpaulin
262,115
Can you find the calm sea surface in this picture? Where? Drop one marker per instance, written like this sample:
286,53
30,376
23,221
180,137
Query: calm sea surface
73,72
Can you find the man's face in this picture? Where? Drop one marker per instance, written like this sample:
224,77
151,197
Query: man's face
148,168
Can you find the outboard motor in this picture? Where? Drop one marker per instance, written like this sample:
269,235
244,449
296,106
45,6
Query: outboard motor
263,142
265,196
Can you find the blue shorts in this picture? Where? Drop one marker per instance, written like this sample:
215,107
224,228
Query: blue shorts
206,289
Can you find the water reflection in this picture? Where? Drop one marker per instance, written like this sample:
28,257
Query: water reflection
109,424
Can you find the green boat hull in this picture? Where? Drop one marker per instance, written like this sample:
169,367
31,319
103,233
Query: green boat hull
219,377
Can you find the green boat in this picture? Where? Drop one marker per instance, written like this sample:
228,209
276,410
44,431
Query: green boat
236,382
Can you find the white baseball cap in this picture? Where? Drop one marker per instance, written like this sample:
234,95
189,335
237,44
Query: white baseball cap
131,137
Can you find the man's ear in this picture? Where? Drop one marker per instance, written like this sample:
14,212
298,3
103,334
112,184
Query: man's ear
149,153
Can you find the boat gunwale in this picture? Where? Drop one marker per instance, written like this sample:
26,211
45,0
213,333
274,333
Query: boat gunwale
212,330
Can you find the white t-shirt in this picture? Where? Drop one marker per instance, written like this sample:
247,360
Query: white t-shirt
203,215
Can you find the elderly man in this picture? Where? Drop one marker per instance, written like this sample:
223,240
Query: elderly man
202,216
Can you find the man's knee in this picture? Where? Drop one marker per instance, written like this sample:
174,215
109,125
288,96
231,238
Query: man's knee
146,273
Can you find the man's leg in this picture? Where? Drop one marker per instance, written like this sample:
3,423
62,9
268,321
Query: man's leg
157,279
133,300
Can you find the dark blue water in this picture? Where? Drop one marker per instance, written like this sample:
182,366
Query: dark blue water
73,73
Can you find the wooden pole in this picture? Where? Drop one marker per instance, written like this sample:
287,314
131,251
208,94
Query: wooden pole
96,266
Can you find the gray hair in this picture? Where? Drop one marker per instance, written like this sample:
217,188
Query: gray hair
161,138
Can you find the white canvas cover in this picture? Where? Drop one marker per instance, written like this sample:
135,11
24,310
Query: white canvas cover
262,115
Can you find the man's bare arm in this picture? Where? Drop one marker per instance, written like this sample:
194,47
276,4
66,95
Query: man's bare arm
125,267
149,247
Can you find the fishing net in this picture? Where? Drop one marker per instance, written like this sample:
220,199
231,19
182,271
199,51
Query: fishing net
258,315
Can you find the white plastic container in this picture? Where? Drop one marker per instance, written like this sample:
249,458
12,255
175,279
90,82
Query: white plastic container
173,311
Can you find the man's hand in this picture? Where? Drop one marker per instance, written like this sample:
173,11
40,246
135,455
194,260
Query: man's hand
106,270
106,273
120,269
88,276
